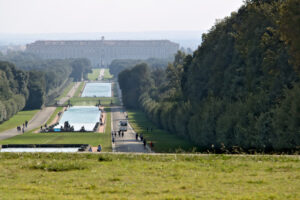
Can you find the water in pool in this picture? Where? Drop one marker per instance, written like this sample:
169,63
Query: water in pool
79,116
97,90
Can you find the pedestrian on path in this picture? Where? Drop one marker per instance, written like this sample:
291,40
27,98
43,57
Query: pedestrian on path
151,144
136,136
141,137
144,142
113,140
122,133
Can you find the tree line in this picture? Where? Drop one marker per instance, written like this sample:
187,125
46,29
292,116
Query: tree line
28,82
239,91
119,65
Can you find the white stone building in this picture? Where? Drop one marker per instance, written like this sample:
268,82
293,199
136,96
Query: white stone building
102,52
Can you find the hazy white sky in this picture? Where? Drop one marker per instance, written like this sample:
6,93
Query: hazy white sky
65,16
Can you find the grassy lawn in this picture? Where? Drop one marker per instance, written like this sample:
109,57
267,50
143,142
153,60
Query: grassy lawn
125,176
66,90
17,119
162,140
94,75
66,138
54,114
92,101
79,89
107,75
106,137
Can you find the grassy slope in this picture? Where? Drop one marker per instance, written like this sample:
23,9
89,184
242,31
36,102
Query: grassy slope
107,75
66,90
115,176
65,138
79,89
162,140
17,119
94,75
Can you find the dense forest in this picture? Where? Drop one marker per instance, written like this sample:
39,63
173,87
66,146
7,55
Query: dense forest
239,91
28,82
119,65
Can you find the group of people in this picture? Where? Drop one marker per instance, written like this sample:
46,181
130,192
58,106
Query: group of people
99,148
143,140
115,134
22,128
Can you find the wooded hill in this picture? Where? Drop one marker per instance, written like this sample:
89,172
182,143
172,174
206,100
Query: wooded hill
240,89
42,80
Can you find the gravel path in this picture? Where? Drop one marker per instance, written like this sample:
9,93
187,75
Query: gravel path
128,143
70,94
38,119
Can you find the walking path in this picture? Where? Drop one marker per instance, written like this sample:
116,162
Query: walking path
70,94
101,74
38,119
128,143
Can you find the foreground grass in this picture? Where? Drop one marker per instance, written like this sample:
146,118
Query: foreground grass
162,140
117,176
92,101
94,75
18,119
107,75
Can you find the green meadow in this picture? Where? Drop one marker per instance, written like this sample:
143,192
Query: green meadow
163,141
140,176
17,120
94,75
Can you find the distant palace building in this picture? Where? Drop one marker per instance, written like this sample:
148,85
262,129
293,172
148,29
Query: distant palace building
102,52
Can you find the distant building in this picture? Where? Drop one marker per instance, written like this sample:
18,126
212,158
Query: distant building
102,52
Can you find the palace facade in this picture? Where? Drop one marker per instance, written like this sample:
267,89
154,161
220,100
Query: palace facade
102,52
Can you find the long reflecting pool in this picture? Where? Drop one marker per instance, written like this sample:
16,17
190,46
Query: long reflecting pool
79,116
97,90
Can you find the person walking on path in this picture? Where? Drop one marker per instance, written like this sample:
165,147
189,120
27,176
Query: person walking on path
136,136
144,142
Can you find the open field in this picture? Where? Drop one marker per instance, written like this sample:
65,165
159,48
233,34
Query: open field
92,101
107,75
17,119
66,138
94,75
79,89
66,90
162,140
140,176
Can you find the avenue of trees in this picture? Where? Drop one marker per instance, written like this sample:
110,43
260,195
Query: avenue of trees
239,91
27,82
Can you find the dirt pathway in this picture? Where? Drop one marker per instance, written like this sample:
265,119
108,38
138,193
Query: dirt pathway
38,119
128,143
70,94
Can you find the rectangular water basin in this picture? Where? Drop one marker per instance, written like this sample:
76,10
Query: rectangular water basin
97,90
79,116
